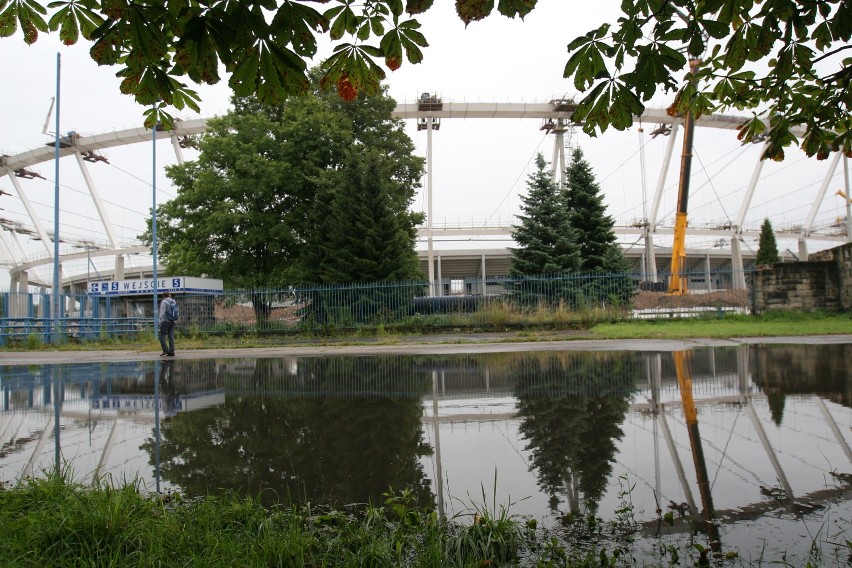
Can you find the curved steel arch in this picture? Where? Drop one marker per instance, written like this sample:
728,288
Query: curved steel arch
86,147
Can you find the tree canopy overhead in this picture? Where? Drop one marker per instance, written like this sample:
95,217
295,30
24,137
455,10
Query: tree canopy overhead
786,61
789,62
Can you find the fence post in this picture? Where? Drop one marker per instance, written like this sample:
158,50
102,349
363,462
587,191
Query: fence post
47,312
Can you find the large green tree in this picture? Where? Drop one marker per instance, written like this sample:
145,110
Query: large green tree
266,202
783,60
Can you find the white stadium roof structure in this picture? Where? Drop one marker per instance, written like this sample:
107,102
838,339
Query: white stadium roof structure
100,242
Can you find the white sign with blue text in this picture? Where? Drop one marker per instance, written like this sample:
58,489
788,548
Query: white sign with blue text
122,287
146,286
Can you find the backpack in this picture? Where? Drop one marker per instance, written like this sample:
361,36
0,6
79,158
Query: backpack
172,311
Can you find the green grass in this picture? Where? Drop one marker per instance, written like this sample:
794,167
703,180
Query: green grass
773,324
53,521
537,325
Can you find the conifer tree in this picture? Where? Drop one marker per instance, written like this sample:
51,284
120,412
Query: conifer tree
596,237
547,243
364,236
767,251
599,250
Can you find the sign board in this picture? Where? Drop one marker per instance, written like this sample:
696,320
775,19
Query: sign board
145,403
172,284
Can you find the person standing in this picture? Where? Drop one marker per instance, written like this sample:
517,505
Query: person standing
168,316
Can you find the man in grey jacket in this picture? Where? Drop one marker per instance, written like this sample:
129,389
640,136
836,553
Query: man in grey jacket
167,327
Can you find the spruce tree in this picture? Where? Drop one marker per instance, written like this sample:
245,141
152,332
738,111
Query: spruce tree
546,244
767,251
363,235
599,250
546,241
596,237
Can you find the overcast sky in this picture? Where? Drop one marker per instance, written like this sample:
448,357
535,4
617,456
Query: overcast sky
480,165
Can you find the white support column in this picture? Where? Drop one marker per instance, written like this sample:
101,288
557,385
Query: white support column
832,424
23,290
16,248
712,354
440,283
96,198
482,273
105,453
119,267
752,185
571,492
820,195
709,286
41,310
178,149
770,452
12,424
681,474
661,180
742,376
6,249
439,474
69,299
650,258
737,270
653,375
803,249
430,251
557,161
42,234
736,256
14,284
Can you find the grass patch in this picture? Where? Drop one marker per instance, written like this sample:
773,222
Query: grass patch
531,325
53,521
772,324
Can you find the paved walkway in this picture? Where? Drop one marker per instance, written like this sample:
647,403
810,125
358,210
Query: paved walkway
416,345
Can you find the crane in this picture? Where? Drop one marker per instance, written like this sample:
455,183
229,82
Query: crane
677,281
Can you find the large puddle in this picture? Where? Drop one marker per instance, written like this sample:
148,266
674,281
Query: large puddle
755,440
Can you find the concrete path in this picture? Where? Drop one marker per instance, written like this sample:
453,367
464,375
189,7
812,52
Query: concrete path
413,345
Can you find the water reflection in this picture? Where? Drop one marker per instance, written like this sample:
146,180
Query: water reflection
270,440
571,413
766,429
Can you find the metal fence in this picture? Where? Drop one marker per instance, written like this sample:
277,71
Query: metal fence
311,309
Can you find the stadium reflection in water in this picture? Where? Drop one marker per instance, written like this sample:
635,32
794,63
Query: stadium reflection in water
546,434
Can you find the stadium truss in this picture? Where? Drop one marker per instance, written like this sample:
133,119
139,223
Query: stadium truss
428,111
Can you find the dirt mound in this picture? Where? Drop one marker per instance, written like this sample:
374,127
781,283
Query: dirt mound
245,314
645,300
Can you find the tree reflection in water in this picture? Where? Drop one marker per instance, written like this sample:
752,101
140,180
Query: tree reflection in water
572,407
320,448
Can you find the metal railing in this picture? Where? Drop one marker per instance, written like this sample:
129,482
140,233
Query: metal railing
322,308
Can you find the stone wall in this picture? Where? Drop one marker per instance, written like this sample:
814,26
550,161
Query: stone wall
824,282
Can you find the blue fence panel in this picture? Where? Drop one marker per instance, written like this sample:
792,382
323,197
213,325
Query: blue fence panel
318,308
